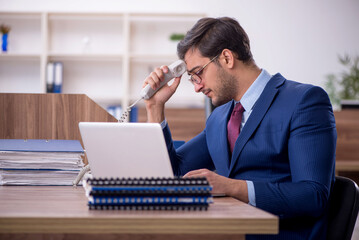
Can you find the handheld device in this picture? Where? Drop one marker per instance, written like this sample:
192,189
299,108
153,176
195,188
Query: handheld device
176,69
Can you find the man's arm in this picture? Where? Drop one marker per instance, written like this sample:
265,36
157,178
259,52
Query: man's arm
190,156
311,152
194,160
156,104
230,187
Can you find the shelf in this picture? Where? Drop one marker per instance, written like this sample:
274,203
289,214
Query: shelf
25,34
74,16
149,58
85,57
104,55
28,82
158,43
100,79
85,33
19,56
168,17
20,15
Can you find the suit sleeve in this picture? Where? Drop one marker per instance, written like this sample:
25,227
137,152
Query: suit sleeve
190,156
311,153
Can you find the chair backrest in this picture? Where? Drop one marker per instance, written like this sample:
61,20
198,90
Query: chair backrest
343,209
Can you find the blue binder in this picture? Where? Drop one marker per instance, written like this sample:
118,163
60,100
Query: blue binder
40,145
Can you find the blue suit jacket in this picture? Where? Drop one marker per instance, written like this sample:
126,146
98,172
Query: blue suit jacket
286,147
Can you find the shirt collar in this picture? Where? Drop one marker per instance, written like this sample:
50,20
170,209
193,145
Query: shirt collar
251,96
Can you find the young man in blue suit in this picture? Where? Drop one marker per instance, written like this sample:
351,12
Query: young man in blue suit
283,158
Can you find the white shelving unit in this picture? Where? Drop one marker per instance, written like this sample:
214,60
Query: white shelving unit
24,54
106,56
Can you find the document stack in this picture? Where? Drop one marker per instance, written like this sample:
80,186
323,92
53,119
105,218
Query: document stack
39,162
148,193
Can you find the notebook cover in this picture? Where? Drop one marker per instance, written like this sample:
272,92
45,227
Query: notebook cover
151,207
176,181
40,145
154,200
151,191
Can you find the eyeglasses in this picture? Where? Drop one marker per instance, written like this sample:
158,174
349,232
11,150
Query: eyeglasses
195,77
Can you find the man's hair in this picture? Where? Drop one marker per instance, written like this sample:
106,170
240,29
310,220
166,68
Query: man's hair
211,35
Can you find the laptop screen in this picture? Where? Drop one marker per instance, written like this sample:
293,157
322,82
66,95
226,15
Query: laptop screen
125,150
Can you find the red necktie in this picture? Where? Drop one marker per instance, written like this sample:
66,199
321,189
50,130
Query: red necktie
234,125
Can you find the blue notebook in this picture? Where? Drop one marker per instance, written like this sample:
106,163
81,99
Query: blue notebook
40,145
138,200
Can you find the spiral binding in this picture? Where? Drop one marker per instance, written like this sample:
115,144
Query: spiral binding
149,192
201,181
151,207
161,193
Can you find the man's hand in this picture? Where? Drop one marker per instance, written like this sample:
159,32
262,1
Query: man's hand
155,105
230,187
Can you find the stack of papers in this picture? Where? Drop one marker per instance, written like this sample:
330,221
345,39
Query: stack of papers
39,162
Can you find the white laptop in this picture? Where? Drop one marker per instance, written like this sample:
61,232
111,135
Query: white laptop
125,149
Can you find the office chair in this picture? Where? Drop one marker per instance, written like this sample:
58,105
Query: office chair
343,209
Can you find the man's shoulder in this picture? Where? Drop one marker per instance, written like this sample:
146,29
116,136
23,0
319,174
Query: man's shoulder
293,88
293,95
279,79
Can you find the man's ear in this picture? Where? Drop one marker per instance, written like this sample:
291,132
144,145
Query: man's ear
228,58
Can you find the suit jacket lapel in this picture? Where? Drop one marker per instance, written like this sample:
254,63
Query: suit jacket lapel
221,141
216,134
260,109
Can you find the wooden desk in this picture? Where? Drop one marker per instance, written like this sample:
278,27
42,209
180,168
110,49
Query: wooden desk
41,212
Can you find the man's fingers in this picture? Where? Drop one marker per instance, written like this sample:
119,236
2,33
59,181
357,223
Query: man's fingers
156,77
164,68
175,84
196,173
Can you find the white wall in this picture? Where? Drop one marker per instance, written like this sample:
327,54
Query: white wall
299,38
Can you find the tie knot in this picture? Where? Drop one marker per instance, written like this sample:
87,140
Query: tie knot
238,108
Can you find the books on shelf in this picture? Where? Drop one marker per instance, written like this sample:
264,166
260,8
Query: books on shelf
115,110
50,77
54,73
148,193
39,162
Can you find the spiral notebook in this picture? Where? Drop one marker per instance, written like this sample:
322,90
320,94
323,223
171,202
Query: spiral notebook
122,150
148,194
